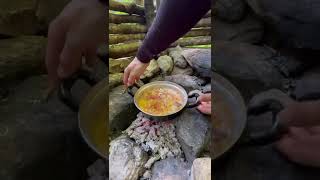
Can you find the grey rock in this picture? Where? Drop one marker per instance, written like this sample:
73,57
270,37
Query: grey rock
126,159
98,168
247,67
152,70
307,87
193,130
177,57
22,57
188,82
186,71
199,60
273,94
157,78
18,17
122,110
170,169
201,169
249,30
165,64
294,23
230,10
115,80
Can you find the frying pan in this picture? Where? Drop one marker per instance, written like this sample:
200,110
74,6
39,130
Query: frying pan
92,111
230,117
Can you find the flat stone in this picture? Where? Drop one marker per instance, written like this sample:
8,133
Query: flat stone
178,59
193,130
122,110
170,169
248,30
18,17
115,80
165,64
152,70
118,65
230,10
22,57
126,159
186,71
188,82
199,60
201,169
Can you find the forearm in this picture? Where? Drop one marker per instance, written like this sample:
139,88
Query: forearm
174,18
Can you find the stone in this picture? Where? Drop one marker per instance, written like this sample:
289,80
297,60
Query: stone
199,60
230,10
307,87
165,64
152,70
186,71
40,135
193,130
18,17
157,78
293,23
249,30
188,82
201,169
118,65
115,80
48,11
126,159
22,57
170,169
178,59
98,169
247,67
122,110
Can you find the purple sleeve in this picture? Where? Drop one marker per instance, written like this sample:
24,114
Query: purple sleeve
174,19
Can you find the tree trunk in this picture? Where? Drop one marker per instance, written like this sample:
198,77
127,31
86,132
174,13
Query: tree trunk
191,41
198,32
120,38
124,49
149,12
130,8
205,22
126,28
117,19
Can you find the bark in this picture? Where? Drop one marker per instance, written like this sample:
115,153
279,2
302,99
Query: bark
204,22
130,8
149,12
123,49
199,32
127,28
117,19
120,38
191,41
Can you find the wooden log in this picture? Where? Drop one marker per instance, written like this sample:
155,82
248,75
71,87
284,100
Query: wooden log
204,22
120,38
198,32
123,49
149,12
191,41
117,19
130,8
126,28
207,15
139,2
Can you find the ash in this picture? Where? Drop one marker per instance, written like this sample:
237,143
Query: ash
155,137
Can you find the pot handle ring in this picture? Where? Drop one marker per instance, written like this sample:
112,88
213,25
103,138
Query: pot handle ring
64,91
272,134
192,94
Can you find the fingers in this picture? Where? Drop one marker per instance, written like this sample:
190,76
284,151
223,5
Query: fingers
70,58
56,40
205,97
205,107
126,75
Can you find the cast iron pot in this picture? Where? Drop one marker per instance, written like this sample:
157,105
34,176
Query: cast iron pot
229,107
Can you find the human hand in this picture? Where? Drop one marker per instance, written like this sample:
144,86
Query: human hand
133,72
76,32
205,106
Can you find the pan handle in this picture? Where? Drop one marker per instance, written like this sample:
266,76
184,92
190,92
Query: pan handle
64,91
272,134
192,94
